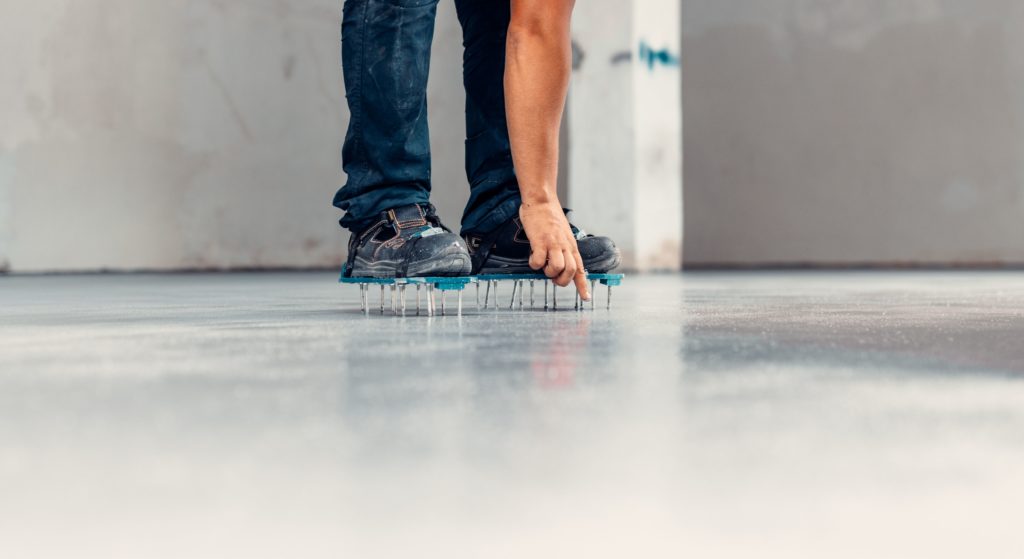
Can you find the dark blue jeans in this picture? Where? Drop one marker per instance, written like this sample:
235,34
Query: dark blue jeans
386,59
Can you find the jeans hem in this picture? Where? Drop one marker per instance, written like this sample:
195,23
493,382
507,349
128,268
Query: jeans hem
495,218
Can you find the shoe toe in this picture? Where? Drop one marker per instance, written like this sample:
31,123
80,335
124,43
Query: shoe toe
599,254
425,247
438,255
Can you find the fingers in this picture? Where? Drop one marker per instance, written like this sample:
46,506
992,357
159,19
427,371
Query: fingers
538,258
563,266
581,277
569,271
555,266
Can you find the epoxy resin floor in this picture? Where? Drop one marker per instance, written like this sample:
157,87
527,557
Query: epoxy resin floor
819,415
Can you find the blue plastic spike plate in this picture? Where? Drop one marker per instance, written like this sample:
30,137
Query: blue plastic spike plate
449,284
611,280
512,277
605,279
441,283
460,283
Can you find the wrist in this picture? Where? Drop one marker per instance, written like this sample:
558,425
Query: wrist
540,200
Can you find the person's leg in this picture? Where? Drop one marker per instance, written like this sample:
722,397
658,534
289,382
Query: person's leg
386,59
494,193
395,231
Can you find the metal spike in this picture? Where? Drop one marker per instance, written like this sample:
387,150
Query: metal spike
495,294
394,299
382,299
609,297
401,291
487,295
532,302
545,294
478,296
418,286
443,293
554,296
431,301
460,302
515,285
593,297
521,285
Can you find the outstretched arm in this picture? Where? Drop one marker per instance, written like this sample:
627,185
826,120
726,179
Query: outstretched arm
537,68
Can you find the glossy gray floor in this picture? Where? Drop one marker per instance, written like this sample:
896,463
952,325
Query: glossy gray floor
707,415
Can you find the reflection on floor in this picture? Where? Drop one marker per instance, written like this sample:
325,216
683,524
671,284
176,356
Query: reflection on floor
716,415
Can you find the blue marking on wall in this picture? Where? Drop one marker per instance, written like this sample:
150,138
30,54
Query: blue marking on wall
652,57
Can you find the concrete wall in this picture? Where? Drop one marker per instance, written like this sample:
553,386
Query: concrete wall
601,149
849,131
203,133
625,178
186,133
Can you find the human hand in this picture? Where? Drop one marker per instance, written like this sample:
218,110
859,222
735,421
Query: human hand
553,246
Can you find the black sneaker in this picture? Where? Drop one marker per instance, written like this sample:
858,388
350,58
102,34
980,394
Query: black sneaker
507,250
407,242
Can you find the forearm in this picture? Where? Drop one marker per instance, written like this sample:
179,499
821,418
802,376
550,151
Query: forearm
537,67
537,70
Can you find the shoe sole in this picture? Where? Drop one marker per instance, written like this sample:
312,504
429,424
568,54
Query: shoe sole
497,265
451,263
